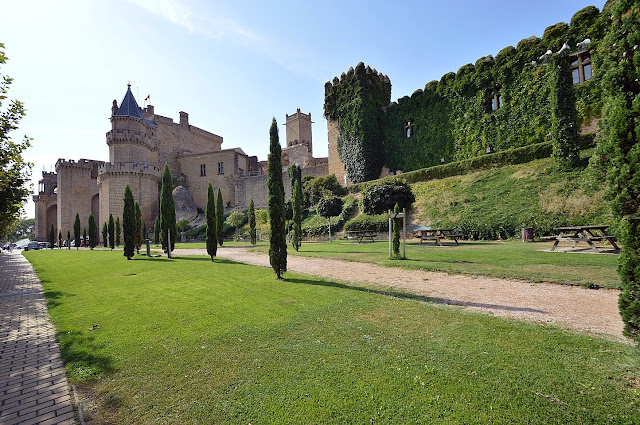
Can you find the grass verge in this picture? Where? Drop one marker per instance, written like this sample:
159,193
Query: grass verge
186,340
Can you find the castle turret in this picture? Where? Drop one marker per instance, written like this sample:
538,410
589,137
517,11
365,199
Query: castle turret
133,161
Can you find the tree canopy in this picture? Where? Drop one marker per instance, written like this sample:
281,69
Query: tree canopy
382,197
15,172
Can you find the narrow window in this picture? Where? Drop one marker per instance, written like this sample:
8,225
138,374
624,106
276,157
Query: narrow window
408,128
581,68
220,167
494,99
203,170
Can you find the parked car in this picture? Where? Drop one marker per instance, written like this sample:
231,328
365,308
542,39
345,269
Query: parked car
44,245
32,245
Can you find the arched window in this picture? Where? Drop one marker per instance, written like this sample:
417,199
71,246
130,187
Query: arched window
409,129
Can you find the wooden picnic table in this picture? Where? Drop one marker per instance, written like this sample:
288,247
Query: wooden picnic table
588,234
359,235
436,235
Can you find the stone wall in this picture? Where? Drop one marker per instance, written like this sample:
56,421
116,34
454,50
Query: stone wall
76,187
235,165
144,183
175,139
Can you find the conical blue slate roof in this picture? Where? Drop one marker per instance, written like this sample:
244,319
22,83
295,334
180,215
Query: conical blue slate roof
129,108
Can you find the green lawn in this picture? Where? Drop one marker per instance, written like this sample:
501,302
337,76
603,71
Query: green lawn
506,259
190,341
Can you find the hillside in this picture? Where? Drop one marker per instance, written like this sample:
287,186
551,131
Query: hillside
497,203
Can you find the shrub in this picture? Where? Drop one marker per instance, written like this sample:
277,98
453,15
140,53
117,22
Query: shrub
377,223
383,196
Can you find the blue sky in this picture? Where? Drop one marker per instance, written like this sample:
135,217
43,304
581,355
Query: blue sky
233,65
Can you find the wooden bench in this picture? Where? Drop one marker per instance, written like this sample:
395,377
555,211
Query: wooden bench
437,235
360,235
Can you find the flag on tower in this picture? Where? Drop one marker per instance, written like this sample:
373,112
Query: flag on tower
147,98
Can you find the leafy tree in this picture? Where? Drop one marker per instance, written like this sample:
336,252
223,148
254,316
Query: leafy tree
129,223
112,231
382,197
59,240
396,233
236,219
138,235
252,222
24,229
330,206
68,239
182,225
52,236
156,231
296,238
105,235
93,231
118,230
618,149
211,217
320,187
564,129
76,231
167,212
15,172
219,217
275,188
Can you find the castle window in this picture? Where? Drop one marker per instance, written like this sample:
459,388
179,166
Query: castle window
241,171
581,68
494,100
203,170
220,167
408,128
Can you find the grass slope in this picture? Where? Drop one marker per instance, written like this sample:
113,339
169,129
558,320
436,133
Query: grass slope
190,341
498,202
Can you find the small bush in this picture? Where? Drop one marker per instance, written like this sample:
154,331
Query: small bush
377,223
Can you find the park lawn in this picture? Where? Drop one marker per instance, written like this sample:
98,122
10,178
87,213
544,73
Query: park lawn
503,259
190,341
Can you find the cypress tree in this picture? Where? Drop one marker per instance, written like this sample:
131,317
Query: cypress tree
619,150
275,188
252,222
144,232
118,230
59,240
128,223
167,212
76,231
52,236
296,200
210,213
138,236
93,231
84,236
112,231
220,217
564,129
105,235
68,239
156,231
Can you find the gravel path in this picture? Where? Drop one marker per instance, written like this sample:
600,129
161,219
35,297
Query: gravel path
569,307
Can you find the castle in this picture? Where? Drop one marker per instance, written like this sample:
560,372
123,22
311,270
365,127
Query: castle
140,143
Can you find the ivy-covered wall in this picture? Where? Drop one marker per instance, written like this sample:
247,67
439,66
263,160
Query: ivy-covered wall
453,118
358,100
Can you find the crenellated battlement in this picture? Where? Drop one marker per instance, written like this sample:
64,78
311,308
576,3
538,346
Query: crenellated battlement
80,164
129,168
118,136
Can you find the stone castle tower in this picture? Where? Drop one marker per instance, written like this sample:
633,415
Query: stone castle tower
133,161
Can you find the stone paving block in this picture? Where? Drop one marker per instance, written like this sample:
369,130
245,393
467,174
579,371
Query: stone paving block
33,385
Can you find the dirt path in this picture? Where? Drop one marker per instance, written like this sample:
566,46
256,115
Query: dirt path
569,307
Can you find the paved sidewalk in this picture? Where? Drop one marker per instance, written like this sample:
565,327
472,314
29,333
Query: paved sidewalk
33,386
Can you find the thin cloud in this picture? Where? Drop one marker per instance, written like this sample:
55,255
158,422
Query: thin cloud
296,60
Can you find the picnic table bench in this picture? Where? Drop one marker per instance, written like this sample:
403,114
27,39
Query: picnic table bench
360,235
436,235
588,234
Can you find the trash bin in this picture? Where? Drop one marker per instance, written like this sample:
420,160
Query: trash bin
527,234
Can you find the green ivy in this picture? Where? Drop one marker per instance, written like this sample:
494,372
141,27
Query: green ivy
452,118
